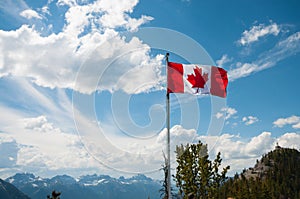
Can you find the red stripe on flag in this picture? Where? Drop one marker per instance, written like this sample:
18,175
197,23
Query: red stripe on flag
219,81
175,80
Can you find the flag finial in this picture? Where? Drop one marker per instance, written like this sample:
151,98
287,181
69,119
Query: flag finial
167,56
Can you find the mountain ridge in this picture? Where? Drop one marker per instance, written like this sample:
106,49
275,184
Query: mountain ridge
9,191
88,186
275,175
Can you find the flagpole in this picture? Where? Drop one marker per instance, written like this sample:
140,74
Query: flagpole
168,133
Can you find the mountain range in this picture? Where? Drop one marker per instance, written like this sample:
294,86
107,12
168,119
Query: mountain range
87,187
275,175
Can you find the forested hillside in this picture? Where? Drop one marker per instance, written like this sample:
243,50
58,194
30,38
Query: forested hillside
276,175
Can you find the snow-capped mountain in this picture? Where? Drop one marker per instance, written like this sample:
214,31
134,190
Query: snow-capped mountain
89,186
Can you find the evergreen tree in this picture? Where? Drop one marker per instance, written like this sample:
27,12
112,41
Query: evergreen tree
196,175
278,177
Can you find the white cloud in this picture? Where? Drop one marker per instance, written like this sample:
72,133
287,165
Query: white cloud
234,147
296,126
87,46
241,153
45,10
256,32
109,14
116,15
40,124
292,120
30,14
283,49
242,70
224,59
263,142
226,112
133,24
246,69
40,146
43,152
66,2
289,140
179,135
250,120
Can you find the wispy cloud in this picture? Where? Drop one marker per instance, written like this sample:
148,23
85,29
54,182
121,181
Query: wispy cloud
14,8
43,139
224,59
282,50
258,31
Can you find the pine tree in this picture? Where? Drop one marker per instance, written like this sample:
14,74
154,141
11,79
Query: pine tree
196,175
280,179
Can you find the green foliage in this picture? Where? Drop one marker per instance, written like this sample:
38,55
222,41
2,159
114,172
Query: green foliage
280,180
196,175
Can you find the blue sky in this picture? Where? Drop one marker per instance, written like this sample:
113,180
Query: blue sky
83,82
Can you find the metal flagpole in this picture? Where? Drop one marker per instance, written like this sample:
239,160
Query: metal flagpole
168,133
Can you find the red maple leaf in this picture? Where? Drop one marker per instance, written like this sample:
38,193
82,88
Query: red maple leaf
197,80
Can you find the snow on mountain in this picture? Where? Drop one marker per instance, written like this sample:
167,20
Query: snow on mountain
88,186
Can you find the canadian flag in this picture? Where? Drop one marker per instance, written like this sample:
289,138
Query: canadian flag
197,79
